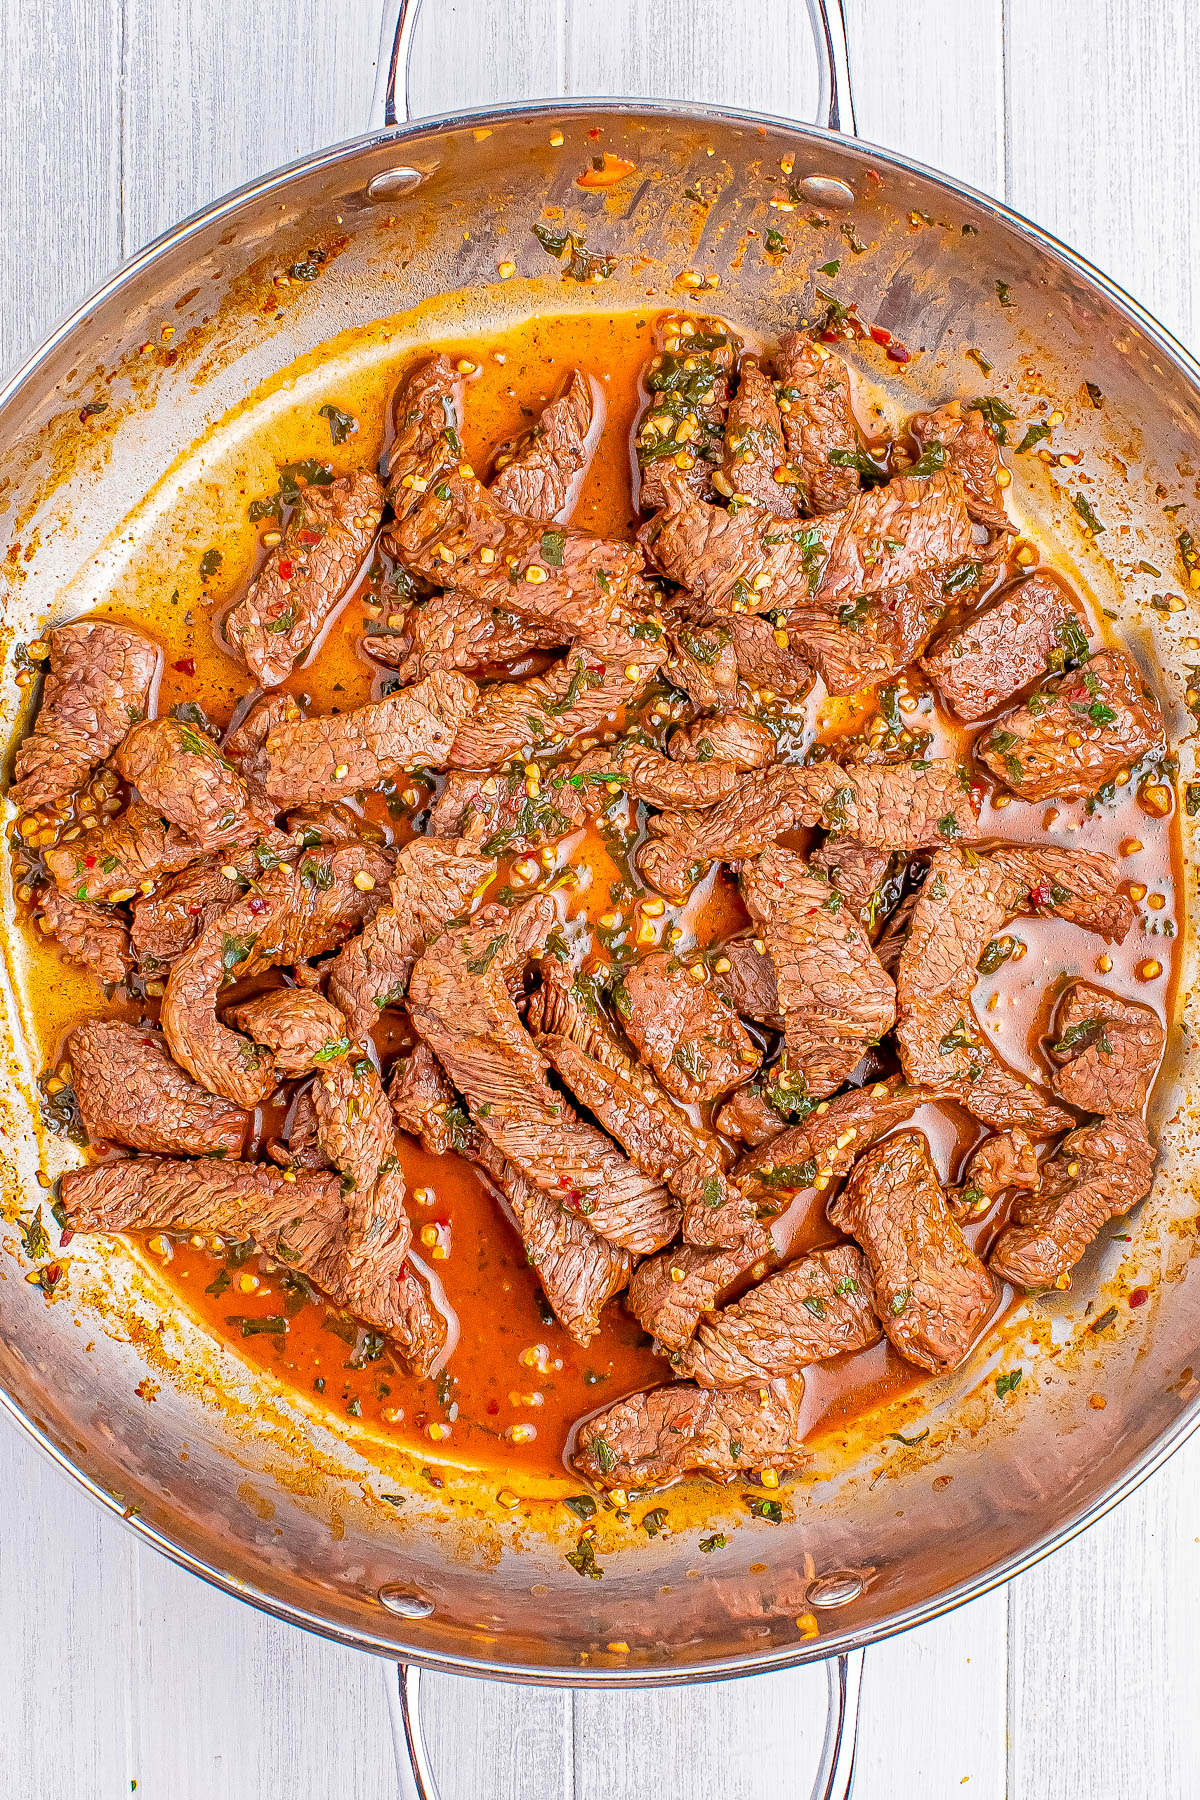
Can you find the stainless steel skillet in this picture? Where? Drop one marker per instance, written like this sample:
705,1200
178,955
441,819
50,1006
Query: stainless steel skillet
886,1539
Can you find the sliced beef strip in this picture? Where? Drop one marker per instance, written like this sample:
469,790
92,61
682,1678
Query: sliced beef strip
685,1028
862,875
246,743
896,807
114,860
301,1147
1076,732
1099,1171
451,631
688,381
325,758
426,416
818,422
170,919
749,982
963,903
818,1307
306,577
770,660
931,1291
971,451
131,1092
538,473
1107,1049
309,1035
819,1151
89,935
654,1438
182,775
99,684
1005,1161
436,880
835,998
704,663
735,739
336,823
1003,1100
995,652
748,1117
295,911
680,786
869,638
754,446
459,1003
669,1292
511,812
578,1269
298,1217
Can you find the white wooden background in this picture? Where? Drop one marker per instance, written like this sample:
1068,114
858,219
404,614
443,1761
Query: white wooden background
1080,1681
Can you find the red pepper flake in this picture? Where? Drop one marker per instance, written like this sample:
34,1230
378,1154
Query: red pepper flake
89,861
597,669
594,132
880,334
49,1277
310,537
898,354
287,568
65,1237
493,1407
875,176
258,904
186,665
1040,895
1139,1296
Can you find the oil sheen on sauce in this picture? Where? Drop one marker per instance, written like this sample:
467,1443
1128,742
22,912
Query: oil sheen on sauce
514,1383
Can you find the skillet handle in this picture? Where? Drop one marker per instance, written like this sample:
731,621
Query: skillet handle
835,97
835,1776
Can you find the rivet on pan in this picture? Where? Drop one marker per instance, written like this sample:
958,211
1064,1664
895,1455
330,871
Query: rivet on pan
837,1589
825,190
389,184
403,1601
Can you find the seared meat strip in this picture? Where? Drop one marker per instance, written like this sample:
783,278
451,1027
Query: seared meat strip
749,981
669,1292
131,1092
1002,1100
246,743
746,1115
815,1308
451,631
301,1147
1099,1171
298,1217
734,739
426,412
1006,1161
688,383
932,1292
435,881
306,577
770,660
818,422
969,448
578,1269
99,684
182,775
896,807
684,1027
1107,1049
112,861
820,1150
1004,646
754,447
538,473
680,786
654,1438
870,638
459,1002
861,874
509,812
295,911
835,998
89,935
1076,732
325,758
704,663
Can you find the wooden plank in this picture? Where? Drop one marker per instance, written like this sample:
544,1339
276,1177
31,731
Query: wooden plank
487,52
757,56
493,1738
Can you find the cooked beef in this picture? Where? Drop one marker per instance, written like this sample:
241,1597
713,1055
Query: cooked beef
862,874
815,1308
818,422
112,861
99,684
182,775
1002,1100
746,1115
425,412
578,1269
450,631
704,663
169,920
734,739
301,1148
754,446
683,425
749,982
820,1150
459,1002
932,1292
581,693
294,911
335,823
309,1035
717,1211
325,758
669,1292
1003,1162
306,577
1107,1049
246,743
867,639
1099,1171
889,945
131,1092
1004,646
510,811
654,778
835,998
896,807
435,881
86,934
538,473
684,1027
968,447
654,1438
770,661
1076,732
298,1217
964,902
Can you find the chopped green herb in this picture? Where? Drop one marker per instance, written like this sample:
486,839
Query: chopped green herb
583,1559
1033,435
717,1541
1083,507
909,1443
341,424
270,1325
582,1505
996,413
1007,1382
765,1509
